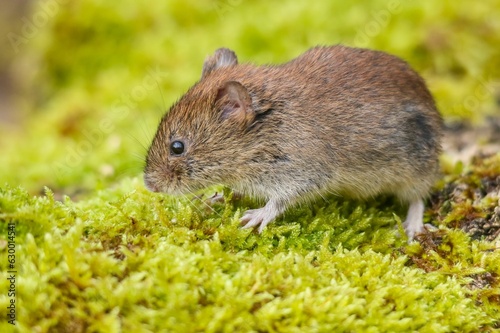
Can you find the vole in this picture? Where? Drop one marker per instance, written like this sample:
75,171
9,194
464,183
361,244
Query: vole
336,119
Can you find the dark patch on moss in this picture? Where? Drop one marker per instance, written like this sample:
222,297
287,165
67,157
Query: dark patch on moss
470,200
483,280
71,325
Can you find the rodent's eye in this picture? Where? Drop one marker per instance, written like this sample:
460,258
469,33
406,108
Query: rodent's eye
177,147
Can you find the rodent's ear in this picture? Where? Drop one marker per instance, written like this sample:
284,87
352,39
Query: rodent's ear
221,58
234,102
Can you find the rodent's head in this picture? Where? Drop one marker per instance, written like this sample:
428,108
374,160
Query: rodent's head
202,136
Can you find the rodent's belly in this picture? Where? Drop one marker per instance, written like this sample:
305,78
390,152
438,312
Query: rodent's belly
306,178
403,182
361,187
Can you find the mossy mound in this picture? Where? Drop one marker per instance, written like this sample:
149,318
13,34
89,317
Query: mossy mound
135,261
97,252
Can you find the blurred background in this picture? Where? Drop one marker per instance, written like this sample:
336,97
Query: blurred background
83,84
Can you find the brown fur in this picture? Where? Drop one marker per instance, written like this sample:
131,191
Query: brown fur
336,119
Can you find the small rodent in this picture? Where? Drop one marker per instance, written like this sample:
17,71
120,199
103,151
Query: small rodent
336,119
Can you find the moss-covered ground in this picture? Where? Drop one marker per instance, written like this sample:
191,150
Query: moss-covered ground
96,252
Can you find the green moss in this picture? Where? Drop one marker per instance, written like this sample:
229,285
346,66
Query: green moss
96,252
137,261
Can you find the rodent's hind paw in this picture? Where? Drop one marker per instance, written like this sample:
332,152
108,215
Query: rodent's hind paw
412,230
413,224
257,217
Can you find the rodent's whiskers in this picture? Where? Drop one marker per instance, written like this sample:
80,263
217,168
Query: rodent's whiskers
139,157
146,137
191,203
132,169
162,98
203,202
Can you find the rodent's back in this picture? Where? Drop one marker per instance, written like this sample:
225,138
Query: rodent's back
372,102
329,81
362,116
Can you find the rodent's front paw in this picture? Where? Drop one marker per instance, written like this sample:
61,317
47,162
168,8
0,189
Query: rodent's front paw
258,217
